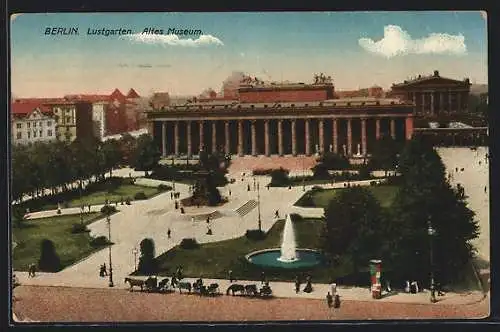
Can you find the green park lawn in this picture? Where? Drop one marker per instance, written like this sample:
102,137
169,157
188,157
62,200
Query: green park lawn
214,260
385,194
70,247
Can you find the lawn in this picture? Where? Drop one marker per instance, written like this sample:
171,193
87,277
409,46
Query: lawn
385,194
70,247
114,189
215,259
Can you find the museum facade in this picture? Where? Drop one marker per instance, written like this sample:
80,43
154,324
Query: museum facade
280,119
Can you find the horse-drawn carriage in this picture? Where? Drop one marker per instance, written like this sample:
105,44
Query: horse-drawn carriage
151,284
250,290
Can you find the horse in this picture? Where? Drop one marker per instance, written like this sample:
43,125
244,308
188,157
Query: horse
134,282
251,290
236,288
163,284
184,285
151,284
213,288
266,291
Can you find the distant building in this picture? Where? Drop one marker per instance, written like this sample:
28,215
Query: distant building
99,109
433,95
32,122
74,119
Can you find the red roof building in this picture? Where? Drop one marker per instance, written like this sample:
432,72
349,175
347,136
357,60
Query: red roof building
132,94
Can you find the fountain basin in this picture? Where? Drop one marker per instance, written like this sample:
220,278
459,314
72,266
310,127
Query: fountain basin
306,258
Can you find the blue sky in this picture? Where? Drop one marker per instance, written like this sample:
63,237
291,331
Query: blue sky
272,46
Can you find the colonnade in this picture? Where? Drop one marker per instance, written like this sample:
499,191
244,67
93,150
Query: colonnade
435,102
279,136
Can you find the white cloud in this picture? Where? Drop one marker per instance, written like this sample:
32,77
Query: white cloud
174,40
396,41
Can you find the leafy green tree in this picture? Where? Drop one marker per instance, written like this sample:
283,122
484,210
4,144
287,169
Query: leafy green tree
279,177
385,154
112,155
148,264
128,144
49,260
146,155
320,171
426,199
354,227
21,161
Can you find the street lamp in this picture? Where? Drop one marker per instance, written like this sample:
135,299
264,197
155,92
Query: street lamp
108,221
431,231
258,206
135,252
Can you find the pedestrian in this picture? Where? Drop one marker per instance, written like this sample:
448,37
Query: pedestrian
104,270
333,288
171,195
297,284
230,276
329,300
248,187
407,287
31,271
484,189
276,214
89,207
262,277
168,233
176,205
229,192
208,219
101,271
337,302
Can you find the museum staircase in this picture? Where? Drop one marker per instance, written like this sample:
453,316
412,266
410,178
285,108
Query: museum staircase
246,208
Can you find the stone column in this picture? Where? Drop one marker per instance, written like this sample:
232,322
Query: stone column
441,102
335,139
214,136
280,137
349,137
189,145
240,138
266,138
254,137
377,128
294,137
450,107
321,136
393,129
363,136
176,139
308,139
459,102
413,97
409,127
423,103
202,139
164,139
432,103
226,136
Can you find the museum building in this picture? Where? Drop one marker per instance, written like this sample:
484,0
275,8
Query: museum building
280,119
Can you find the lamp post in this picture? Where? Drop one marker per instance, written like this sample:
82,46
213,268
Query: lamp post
108,221
431,231
135,252
258,206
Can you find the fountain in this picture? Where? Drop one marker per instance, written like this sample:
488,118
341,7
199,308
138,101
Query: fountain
288,253
288,256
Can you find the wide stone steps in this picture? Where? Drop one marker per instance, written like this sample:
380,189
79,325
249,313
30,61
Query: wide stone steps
246,208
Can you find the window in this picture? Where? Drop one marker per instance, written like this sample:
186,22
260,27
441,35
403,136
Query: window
49,123
19,125
68,119
19,135
34,134
49,132
67,128
29,124
29,134
41,133
34,124
40,123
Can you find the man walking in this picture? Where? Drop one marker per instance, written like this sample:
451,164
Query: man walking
230,276
329,300
168,233
297,284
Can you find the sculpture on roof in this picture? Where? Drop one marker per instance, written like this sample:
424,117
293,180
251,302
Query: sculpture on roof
322,79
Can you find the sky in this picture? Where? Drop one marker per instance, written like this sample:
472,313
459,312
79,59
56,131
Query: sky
357,49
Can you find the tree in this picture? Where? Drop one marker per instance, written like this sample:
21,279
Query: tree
279,177
49,260
112,155
354,226
334,161
128,144
320,171
385,154
426,197
147,261
146,155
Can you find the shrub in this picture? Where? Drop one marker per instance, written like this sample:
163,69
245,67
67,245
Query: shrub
108,209
148,264
79,228
140,195
49,260
279,177
164,187
189,243
320,171
255,234
99,241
